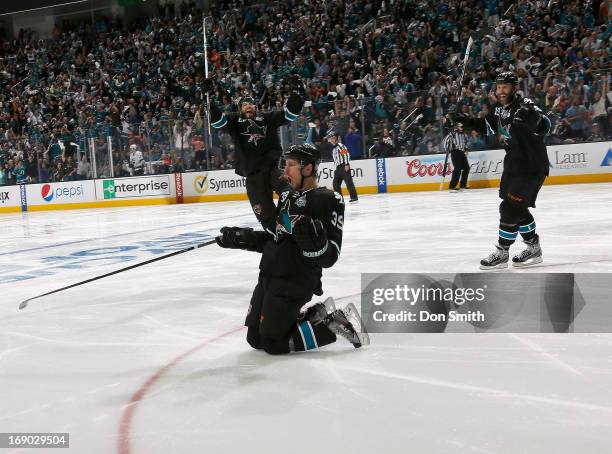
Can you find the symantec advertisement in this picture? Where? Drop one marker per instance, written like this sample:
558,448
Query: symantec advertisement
364,173
217,182
227,182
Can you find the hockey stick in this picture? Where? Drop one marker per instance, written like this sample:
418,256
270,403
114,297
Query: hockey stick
417,118
24,303
207,94
409,115
459,91
444,171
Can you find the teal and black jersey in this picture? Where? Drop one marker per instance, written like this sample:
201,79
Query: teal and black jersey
256,140
281,255
524,144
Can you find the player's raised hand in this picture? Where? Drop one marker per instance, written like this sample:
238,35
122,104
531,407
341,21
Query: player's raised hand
295,84
526,116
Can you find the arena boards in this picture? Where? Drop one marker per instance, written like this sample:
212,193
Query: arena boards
569,164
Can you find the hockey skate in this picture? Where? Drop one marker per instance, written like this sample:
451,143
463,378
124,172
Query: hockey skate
317,313
497,260
530,256
347,323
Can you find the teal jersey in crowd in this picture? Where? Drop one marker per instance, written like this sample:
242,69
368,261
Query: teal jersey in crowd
20,175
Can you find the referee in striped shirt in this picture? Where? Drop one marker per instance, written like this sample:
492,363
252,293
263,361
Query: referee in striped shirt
455,143
342,160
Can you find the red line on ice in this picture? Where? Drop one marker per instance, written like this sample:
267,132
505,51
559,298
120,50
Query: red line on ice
128,413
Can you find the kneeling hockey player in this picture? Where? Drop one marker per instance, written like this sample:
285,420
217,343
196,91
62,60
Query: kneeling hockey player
307,238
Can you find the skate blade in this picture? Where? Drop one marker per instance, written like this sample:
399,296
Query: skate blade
528,263
330,304
500,266
354,318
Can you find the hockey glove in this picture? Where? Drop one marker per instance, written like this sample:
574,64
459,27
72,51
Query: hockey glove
208,86
236,238
310,236
295,84
527,118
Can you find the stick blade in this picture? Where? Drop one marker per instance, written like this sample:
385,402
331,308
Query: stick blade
24,304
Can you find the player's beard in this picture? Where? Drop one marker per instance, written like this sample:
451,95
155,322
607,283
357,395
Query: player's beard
508,99
248,112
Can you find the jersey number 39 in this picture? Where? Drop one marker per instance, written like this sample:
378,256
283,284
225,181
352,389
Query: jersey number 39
337,221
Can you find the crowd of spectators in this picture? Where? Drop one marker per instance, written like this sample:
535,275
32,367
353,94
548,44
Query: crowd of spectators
382,73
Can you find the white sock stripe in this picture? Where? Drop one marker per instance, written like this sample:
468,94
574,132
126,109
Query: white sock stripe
508,233
528,228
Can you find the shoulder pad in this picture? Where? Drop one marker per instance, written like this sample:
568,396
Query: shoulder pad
328,194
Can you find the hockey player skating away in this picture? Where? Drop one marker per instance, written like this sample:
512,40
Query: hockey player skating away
258,148
455,143
523,126
342,160
307,238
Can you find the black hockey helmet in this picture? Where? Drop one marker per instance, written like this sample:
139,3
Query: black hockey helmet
305,153
506,77
245,100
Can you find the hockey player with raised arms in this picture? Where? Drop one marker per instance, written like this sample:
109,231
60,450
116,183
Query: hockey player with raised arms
307,237
258,149
523,126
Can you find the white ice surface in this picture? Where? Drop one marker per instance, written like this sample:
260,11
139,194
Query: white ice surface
72,361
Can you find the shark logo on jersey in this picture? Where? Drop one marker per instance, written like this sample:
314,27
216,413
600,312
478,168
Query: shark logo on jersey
503,113
286,224
286,220
301,202
255,132
505,132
